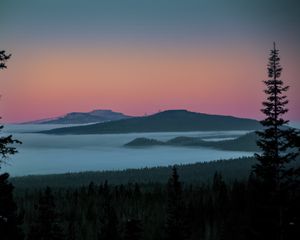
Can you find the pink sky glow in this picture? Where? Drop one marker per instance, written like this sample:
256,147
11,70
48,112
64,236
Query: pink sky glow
138,81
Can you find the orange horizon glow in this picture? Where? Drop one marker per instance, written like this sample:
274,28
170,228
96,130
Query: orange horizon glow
136,81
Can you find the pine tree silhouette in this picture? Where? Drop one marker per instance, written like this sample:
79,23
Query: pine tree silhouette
3,58
46,226
109,229
9,219
175,223
275,141
279,148
5,142
133,230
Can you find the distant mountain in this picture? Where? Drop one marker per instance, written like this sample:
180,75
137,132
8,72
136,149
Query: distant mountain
245,142
83,117
167,121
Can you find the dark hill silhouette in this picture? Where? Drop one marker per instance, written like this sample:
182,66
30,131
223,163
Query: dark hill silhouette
167,121
144,142
246,142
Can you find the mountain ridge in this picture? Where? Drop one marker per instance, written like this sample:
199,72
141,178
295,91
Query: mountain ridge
166,121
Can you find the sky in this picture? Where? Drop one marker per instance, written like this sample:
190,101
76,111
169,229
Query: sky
143,56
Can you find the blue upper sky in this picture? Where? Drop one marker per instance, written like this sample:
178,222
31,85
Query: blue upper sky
153,20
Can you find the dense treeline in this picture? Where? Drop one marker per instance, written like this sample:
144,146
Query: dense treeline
231,169
216,210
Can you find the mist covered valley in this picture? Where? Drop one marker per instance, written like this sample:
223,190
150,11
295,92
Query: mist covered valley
47,154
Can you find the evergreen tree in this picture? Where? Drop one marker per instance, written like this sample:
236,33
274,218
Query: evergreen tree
9,219
220,194
109,229
220,201
133,230
3,58
46,225
278,143
5,142
175,223
109,225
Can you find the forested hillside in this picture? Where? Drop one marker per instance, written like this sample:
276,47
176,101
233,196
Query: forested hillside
204,210
198,172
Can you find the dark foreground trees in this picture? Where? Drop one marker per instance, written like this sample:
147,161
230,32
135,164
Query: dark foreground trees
3,58
46,225
175,215
6,142
277,179
10,220
215,210
278,143
133,230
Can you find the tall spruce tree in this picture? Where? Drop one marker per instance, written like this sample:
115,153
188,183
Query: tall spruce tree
277,142
46,226
10,221
274,170
175,222
109,229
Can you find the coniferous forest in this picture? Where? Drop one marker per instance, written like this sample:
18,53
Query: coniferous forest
262,204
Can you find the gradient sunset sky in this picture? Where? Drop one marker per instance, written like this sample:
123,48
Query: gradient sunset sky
142,56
